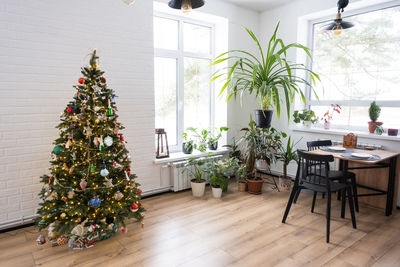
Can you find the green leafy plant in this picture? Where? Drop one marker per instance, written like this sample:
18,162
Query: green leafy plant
218,182
241,174
189,143
193,167
213,137
288,154
234,150
225,168
201,138
374,111
259,143
268,75
305,115
378,129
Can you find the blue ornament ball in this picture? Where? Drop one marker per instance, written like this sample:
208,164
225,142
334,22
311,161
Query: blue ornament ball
57,150
95,202
104,172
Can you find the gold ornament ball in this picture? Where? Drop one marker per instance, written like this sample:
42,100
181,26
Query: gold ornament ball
53,235
62,216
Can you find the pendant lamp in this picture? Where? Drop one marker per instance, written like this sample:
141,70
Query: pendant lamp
338,24
186,5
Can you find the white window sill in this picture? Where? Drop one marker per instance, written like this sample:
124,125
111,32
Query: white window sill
178,156
344,132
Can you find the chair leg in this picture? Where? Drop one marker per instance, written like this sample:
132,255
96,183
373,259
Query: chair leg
323,195
343,211
328,216
339,195
353,216
355,194
289,204
313,202
297,194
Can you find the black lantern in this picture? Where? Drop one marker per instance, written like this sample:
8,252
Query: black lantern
186,5
338,24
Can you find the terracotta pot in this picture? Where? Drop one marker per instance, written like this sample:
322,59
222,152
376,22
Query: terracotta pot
371,125
254,186
242,187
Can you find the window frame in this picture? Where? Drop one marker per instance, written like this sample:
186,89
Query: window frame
345,103
179,55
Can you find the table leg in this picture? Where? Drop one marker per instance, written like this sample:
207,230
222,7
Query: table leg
391,184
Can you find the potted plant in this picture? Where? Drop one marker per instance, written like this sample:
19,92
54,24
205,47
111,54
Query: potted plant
241,178
188,144
234,150
216,184
213,138
195,171
307,116
269,141
268,75
374,112
328,116
225,168
257,143
287,154
201,137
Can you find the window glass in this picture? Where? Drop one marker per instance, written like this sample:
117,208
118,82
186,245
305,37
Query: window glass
165,33
196,38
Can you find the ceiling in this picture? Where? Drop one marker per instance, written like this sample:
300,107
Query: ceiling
259,5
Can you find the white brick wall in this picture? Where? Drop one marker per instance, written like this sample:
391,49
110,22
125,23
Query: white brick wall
43,45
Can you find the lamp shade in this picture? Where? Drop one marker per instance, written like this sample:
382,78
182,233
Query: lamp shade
338,22
177,4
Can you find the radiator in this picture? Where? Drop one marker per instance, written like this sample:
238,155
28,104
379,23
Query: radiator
180,178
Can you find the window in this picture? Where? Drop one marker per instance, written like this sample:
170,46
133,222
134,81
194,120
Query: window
359,66
184,96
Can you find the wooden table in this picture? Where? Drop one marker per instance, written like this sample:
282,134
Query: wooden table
373,179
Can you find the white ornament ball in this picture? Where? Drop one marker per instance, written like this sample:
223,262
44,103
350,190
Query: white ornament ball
108,141
104,172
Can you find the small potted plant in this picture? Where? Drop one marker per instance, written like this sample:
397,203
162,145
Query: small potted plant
216,183
287,154
225,168
374,112
188,144
307,116
201,138
241,178
195,171
328,116
213,138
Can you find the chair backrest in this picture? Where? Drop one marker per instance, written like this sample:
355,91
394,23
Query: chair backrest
313,169
314,145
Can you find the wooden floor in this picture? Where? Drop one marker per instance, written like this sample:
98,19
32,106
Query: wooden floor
238,230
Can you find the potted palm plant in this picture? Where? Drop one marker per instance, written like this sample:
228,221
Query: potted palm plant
268,75
374,112
195,171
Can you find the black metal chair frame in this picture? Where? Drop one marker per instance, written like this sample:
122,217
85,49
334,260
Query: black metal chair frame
313,174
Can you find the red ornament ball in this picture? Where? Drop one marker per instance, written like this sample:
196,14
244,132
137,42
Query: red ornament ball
81,81
103,80
134,207
69,110
124,230
140,191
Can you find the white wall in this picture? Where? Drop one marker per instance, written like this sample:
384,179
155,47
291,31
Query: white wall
43,44
290,16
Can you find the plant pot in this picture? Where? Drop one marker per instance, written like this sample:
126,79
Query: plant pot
254,186
327,125
217,192
372,124
189,149
242,187
198,188
393,132
307,124
261,165
213,146
263,118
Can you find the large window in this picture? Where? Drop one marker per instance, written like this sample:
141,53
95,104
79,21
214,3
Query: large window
358,66
184,96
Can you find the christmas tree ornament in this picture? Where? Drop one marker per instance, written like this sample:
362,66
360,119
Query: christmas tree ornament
128,170
71,170
124,230
134,207
121,137
42,224
101,144
140,191
53,235
118,195
95,202
127,176
117,165
108,141
71,194
41,240
92,169
64,198
69,110
68,144
83,184
96,108
78,220
103,80
71,242
62,240
57,150
96,141
63,215
65,167
87,131
81,80
104,172
108,183
89,244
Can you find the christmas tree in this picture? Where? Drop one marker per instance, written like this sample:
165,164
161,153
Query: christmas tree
91,190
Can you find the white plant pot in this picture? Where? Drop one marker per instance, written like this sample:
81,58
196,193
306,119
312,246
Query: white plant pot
198,189
217,192
261,164
307,124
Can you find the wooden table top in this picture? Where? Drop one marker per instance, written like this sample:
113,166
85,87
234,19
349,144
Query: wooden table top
383,154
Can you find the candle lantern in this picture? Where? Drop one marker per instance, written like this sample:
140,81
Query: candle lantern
162,144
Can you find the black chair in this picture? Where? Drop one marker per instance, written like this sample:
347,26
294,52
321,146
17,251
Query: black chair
313,174
334,175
